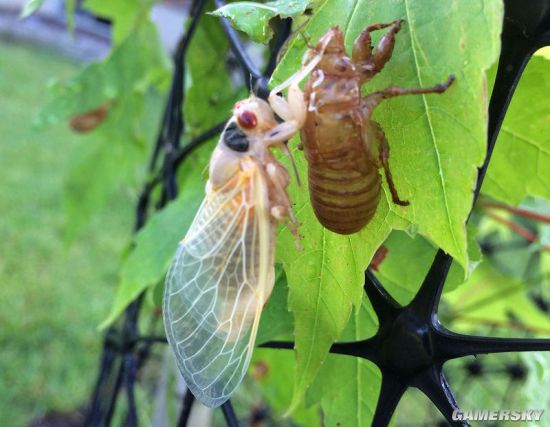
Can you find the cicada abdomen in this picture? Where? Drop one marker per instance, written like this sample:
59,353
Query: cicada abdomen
344,182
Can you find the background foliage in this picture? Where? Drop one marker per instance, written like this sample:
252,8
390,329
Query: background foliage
53,295
437,143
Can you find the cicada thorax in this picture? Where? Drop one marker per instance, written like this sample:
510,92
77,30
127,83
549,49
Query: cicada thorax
344,182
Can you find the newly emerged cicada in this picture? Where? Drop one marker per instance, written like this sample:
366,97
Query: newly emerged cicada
223,271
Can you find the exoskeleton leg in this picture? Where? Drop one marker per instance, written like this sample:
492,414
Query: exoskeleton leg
380,153
370,102
368,63
293,112
294,109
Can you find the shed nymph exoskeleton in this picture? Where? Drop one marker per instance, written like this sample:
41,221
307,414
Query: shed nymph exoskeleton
343,145
223,271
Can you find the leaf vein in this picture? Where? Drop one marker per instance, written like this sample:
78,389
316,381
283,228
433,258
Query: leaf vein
430,125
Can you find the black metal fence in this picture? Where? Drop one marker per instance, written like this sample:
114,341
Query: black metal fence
411,345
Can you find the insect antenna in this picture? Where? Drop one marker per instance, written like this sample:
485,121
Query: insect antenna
305,38
250,86
301,30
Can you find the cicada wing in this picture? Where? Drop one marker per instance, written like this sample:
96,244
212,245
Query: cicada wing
216,287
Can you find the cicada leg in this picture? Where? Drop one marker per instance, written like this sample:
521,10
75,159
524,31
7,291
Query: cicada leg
370,102
280,209
379,150
368,63
294,108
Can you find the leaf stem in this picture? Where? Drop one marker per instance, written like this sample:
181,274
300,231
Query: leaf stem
501,324
520,230
516,211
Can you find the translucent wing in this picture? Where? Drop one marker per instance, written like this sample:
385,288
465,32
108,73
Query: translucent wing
217,285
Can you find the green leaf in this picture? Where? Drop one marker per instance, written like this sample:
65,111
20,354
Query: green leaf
154,248
489,298
209,98
276,321
253,18
347,387
437,143
126,15
70,6
272,370
30,7
123,73
402,278
520,165
114,156
110,159
156,243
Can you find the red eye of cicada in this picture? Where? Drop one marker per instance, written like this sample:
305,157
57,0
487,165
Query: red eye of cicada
247,119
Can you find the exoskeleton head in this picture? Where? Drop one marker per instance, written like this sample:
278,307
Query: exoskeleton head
332,50
332,42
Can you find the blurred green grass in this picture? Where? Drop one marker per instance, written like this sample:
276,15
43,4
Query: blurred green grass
52,295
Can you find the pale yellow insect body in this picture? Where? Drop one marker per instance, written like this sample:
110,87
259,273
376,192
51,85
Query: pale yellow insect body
223,271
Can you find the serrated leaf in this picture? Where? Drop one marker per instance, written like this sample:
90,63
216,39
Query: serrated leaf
324,281
520,164
437,143
30,7
253,18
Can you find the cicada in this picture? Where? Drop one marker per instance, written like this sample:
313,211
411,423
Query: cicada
223,271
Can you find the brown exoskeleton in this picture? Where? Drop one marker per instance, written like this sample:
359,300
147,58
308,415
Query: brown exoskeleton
344,147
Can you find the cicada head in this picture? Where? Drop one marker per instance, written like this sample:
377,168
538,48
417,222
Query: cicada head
254,115
252,118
